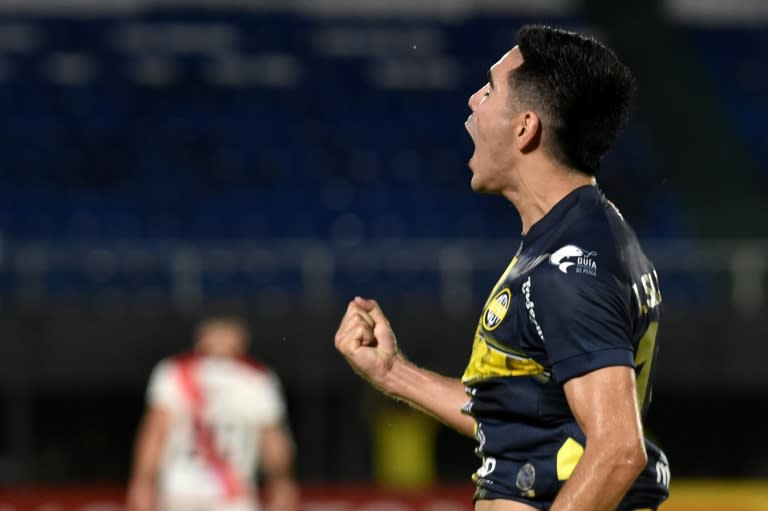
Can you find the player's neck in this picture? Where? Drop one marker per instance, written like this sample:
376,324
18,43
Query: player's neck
540,187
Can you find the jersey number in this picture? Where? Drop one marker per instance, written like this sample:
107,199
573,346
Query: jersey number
650,298
643,362
651,295
227,440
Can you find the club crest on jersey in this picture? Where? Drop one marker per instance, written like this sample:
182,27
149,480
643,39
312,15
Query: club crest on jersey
573,259
497,309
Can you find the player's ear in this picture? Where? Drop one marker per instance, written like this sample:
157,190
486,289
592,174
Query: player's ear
527,131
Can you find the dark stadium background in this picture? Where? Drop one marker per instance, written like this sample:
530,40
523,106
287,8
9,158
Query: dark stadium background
160,161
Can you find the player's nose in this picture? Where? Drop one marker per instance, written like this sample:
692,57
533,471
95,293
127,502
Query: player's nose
473,100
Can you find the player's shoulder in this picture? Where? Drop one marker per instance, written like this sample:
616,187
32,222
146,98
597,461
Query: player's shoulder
255,370
170,362
176,361
594,240
587,252
166,370
254,365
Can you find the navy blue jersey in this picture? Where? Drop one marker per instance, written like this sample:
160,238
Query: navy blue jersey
579,295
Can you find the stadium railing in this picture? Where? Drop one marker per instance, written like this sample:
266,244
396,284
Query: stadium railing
458,272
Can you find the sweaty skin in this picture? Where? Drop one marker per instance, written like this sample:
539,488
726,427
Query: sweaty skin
603,402
511,159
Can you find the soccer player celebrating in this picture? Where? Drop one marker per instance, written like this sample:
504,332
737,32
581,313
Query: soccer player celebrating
559,375
213,417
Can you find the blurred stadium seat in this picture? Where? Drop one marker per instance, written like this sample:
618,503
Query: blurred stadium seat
198,125
178,125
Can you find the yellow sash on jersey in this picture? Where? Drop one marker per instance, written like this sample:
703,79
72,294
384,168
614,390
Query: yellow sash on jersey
490,358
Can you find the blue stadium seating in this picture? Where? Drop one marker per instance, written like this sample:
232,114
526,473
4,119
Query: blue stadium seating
733,59
103,140
109,156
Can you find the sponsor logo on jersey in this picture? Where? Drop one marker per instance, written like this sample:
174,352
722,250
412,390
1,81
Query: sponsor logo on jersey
489,465
662,471
530,307
480,437
497,309
573,259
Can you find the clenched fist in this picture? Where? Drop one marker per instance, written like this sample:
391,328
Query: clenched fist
367,341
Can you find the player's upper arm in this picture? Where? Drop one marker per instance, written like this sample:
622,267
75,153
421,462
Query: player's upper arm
604,401
605,406
277,450
276,442
155,423
150,443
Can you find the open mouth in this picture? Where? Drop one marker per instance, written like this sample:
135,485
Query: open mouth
468,126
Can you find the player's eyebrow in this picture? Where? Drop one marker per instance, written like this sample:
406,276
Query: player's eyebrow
490,79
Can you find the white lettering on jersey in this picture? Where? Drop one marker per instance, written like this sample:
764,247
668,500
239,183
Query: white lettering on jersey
530,307
662,471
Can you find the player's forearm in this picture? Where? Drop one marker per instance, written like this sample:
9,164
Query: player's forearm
149,446
437,395
145,468
279,469
277,453
601,479
277,463
145,463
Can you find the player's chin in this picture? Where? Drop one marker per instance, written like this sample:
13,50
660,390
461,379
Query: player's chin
476,183
473,167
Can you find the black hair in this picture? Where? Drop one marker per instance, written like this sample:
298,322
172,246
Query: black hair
579,88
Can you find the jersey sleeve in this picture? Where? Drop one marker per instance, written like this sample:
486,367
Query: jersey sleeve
584,321
162,390
272,404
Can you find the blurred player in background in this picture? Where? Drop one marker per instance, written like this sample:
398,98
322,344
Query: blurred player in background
213,419
559,374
